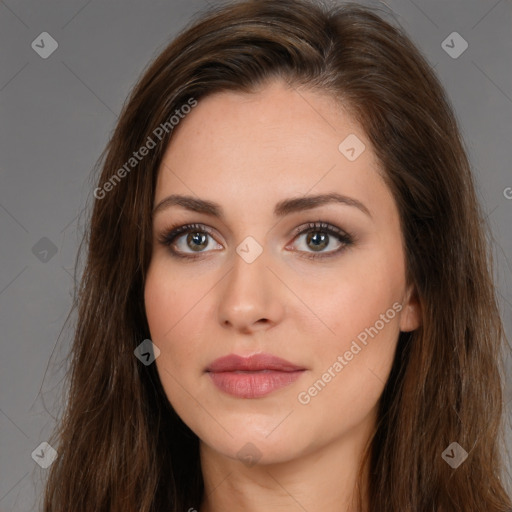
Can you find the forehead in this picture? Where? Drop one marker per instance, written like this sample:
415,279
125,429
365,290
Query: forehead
278,142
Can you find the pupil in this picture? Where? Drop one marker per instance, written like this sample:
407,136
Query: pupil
199,240
320,242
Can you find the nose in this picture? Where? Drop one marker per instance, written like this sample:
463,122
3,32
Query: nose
252,297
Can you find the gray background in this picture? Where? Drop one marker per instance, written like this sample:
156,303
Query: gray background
56,116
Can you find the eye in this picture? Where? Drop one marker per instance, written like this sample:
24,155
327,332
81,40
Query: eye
319,236
192,240
188,239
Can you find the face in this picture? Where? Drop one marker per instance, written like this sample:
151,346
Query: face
288,248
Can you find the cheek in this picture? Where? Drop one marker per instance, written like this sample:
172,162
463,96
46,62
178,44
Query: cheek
176,310
354,358
167,300
161,303
353,364
364,287
177,314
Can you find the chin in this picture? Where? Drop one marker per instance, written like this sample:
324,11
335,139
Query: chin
256,446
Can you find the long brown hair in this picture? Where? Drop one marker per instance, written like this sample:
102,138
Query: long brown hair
121,446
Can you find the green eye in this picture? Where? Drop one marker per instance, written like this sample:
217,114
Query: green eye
319,235
191,240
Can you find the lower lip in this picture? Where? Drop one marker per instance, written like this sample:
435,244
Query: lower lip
253,384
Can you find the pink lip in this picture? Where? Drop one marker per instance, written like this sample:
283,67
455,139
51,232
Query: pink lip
254,376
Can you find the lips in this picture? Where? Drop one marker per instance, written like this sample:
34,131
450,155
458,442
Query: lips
254,376
254,363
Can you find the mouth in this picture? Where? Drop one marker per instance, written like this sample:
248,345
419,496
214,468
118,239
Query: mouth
254,376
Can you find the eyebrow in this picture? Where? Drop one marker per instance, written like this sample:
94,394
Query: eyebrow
281,209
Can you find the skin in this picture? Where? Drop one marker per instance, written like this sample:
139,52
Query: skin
247,152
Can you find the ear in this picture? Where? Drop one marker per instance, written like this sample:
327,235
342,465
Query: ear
410,316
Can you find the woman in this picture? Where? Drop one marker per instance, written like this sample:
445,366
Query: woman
288,300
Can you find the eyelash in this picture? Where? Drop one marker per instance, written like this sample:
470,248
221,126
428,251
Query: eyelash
168,237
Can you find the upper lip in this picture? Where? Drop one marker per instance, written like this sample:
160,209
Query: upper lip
255,362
